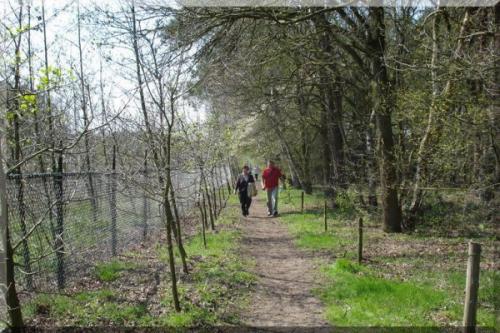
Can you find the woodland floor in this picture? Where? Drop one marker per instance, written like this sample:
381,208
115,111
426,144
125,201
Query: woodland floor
282,295
283,272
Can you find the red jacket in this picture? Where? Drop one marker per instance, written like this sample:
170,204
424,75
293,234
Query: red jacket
271,177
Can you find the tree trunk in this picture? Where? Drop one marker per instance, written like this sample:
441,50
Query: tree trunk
88,165
178,233
171,258
421,156
306,161
432,130
303,106
494,111
331,100
213,194
17,150
383,105
326,158
162,165
209,201
8,281
370,173
204,206
50,115
203,225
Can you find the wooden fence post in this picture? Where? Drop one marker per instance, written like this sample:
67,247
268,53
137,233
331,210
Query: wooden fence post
360,240
325,217
471,287
302,202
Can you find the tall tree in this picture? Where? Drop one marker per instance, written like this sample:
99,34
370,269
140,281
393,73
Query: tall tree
383,104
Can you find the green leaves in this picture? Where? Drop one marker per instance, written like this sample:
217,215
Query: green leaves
28,104
51,76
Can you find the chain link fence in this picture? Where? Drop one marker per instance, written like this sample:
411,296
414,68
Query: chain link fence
62,224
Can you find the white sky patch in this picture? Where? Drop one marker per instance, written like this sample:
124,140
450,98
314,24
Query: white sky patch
117,60
331,3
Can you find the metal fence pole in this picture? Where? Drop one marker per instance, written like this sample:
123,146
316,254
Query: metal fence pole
59,214
112,203
92,196
360,240
145,201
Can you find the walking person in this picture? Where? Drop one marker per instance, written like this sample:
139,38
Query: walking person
270,183
245,184
256,172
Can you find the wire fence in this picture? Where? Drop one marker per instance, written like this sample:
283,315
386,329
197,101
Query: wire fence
62,224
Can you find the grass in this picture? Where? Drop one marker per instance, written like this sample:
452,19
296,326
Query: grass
210,295
409,280
111,271
355,296
81,232
87,308
219,280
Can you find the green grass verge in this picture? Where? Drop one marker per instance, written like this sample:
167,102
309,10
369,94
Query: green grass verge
87,308
355,296
210,295
111,271
372,295
218,281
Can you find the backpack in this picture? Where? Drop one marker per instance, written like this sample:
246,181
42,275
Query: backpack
252,189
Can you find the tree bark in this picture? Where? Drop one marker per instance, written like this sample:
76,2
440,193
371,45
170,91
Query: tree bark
432,130
178,233
8,281
331,101
17,152
494,113
370,168
161,165
88,164
383,105
209,200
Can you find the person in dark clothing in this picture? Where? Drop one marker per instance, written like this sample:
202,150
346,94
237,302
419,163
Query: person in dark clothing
242,187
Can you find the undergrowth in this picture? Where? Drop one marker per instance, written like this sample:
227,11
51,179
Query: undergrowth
405,280
210,295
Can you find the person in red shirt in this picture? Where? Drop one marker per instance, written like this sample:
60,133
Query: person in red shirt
270,182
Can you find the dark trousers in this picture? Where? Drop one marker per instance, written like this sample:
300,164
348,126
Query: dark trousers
245,201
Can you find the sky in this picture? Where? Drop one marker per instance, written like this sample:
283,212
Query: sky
119,88
61,17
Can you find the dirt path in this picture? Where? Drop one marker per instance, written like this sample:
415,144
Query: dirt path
283,295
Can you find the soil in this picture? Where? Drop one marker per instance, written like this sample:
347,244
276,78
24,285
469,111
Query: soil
286,275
